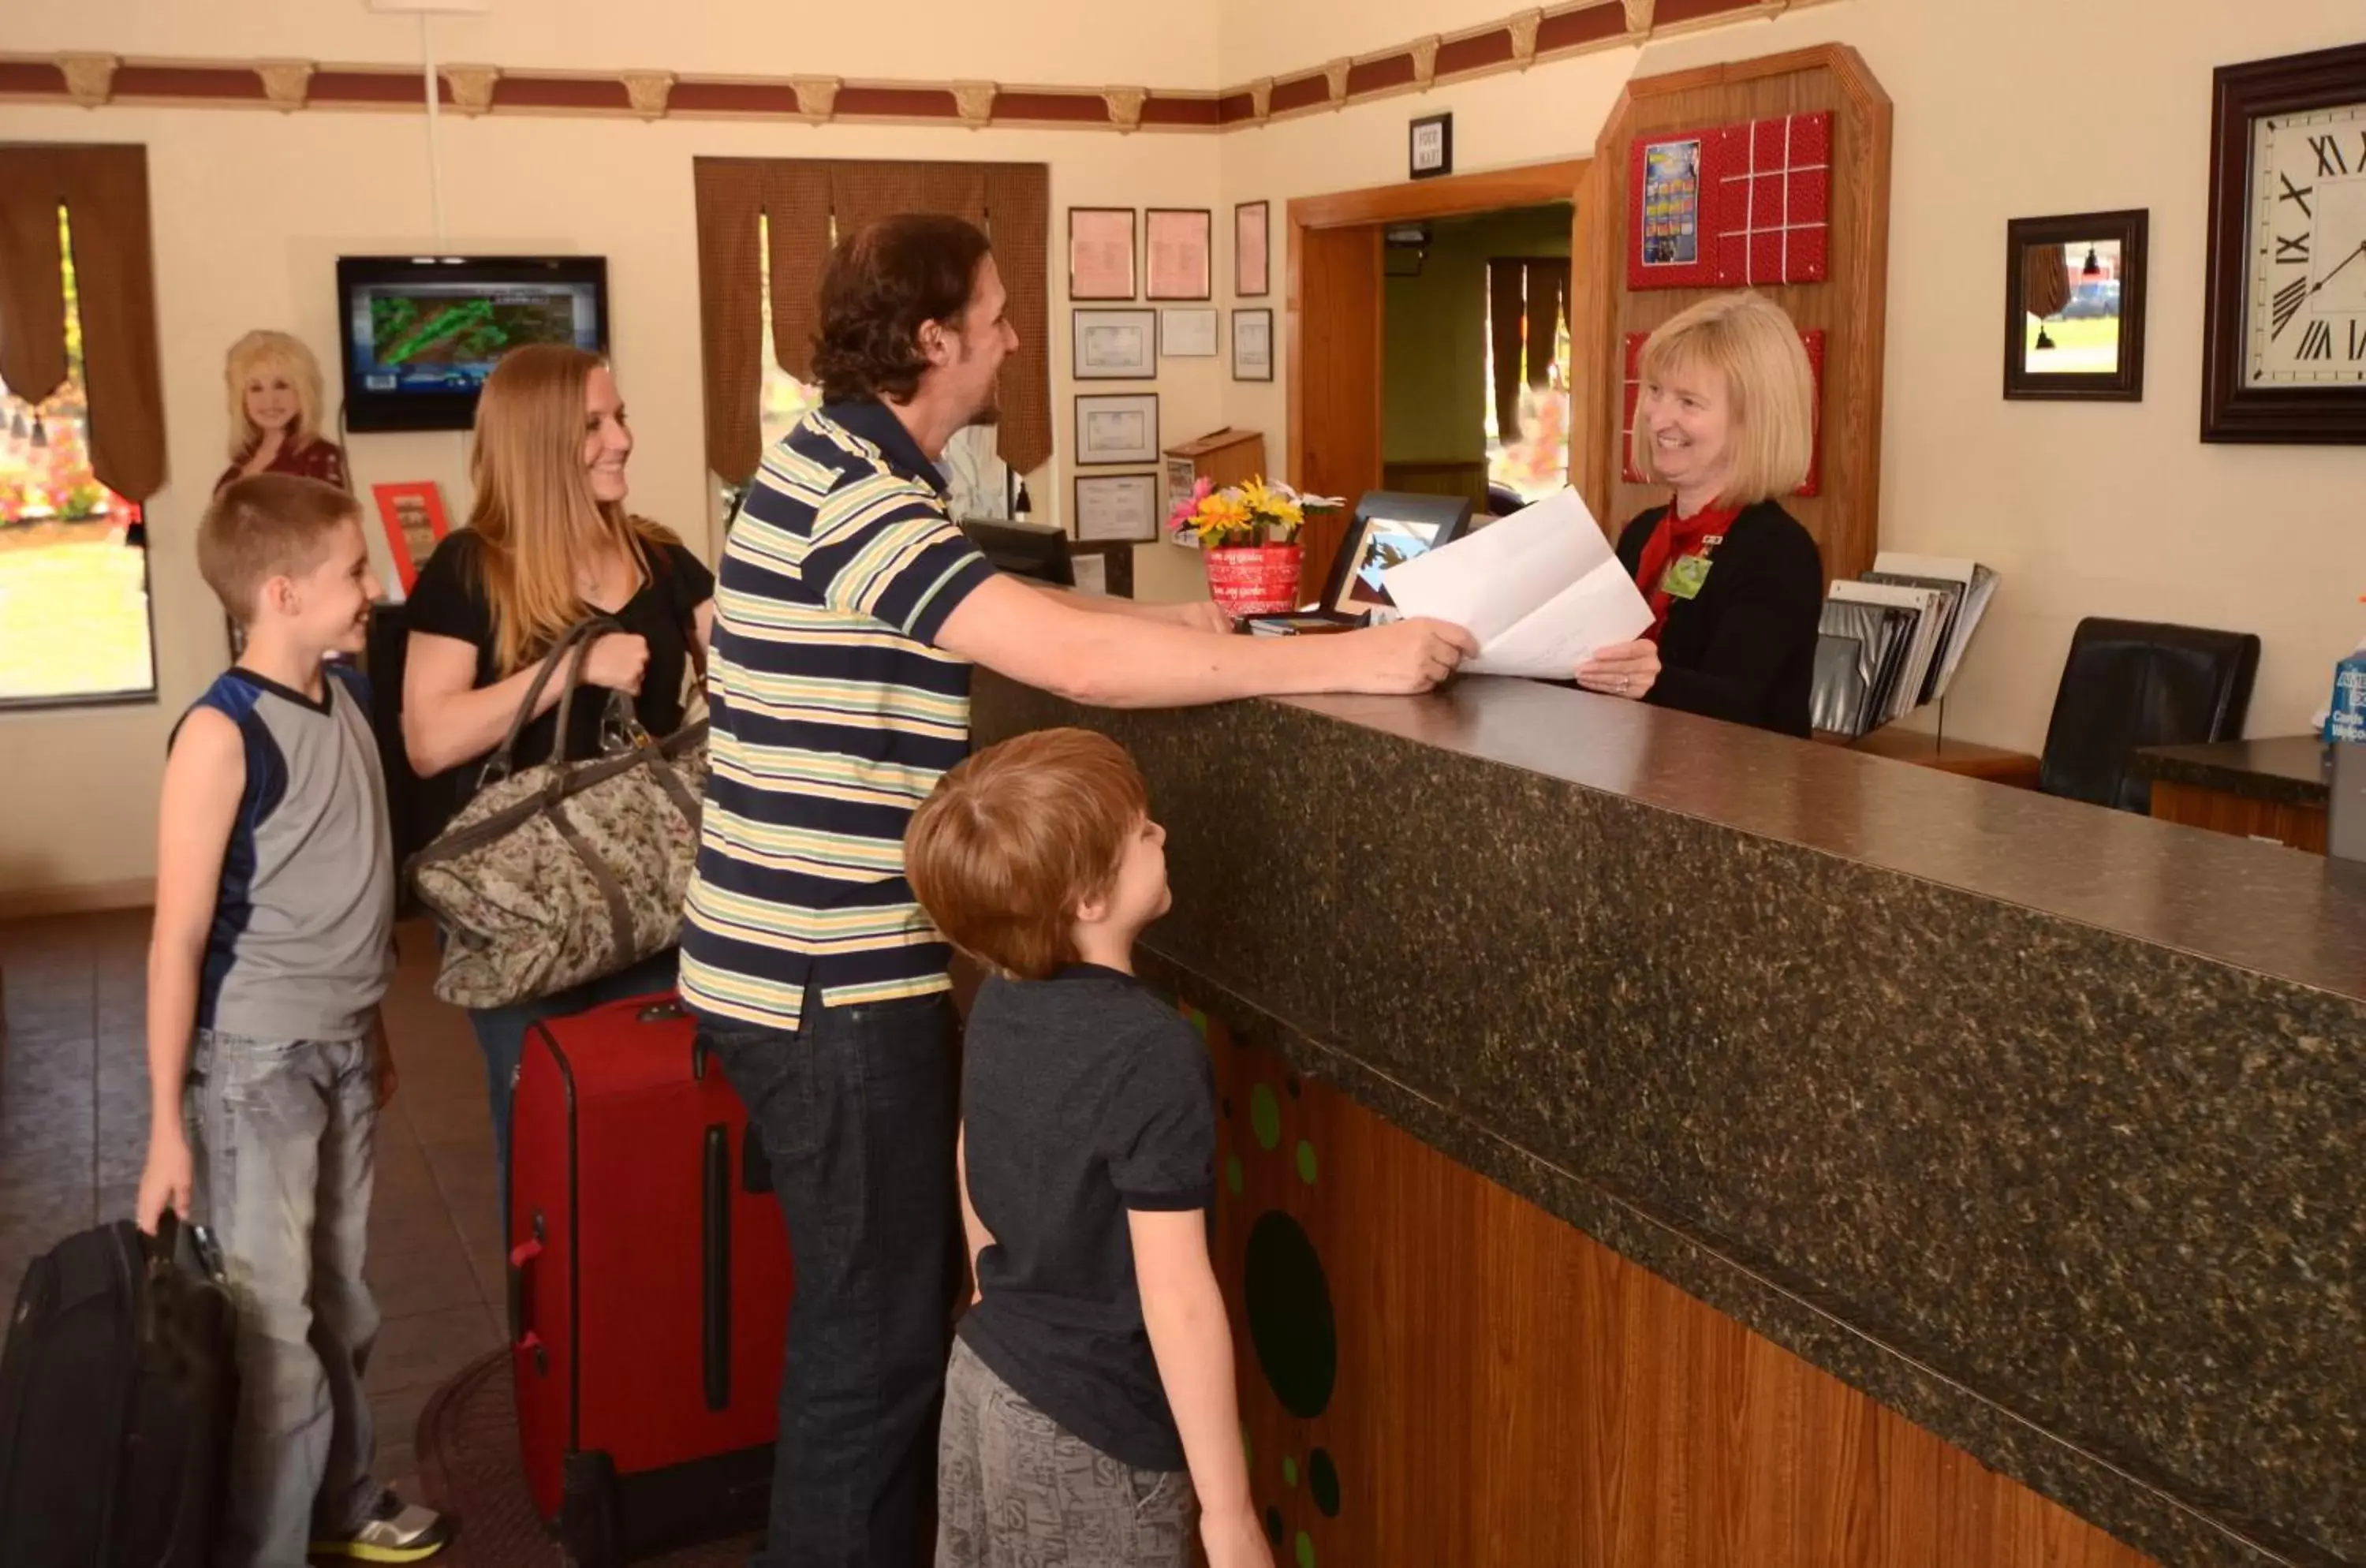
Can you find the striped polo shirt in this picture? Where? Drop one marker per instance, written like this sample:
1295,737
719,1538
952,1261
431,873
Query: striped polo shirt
833,717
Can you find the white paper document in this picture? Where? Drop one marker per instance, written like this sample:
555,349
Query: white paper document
1539,590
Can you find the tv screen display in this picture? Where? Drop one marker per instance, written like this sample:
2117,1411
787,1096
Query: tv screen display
420,333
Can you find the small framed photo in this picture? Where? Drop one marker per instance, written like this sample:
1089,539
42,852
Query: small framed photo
1100,252
1180,240
1117,508
1430,150
1379,543
1253,344
1117,427
413,516
2074,312
1116,345
1252,278
1187,333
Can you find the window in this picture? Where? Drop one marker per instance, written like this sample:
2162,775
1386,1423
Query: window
975,474
75,623
1532,461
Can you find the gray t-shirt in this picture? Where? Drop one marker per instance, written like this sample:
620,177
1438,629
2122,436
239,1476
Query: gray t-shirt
302,937
1084,1099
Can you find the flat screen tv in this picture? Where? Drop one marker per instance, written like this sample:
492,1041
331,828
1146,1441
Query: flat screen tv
421,332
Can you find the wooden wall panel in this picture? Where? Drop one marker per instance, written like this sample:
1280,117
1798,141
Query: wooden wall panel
1339,410
1509,1392
1850,304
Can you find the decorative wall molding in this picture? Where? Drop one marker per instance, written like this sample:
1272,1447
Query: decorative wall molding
285,83
89,78
647,91
1125,107
1514,43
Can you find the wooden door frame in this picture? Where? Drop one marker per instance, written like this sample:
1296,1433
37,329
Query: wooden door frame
1456,196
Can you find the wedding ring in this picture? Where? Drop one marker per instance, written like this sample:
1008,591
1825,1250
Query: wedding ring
1622,685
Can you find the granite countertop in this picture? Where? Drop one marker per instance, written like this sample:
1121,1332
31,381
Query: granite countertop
2041,1123
2287,769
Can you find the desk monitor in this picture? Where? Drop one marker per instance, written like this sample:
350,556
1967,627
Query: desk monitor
1024,549
1389,526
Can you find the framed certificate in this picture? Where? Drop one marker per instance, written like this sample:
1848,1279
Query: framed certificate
1117,508
1100,252
1178,240
1187,333
1116,345
1117,427
1253,346
1251,278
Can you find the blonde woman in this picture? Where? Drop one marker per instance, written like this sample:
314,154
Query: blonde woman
1726,418
275,412
548,541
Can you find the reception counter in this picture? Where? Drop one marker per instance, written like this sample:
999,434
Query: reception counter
1648,1140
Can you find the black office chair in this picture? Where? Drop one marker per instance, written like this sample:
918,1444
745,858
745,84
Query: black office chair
2129,684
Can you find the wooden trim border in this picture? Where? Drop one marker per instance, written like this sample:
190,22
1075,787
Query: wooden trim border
1515,43
80,898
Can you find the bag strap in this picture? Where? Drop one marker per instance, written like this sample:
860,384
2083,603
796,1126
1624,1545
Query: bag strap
594,629
497,766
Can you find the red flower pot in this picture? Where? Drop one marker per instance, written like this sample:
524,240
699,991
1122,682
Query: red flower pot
1255,580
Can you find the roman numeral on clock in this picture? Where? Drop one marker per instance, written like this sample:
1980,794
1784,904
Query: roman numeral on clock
2357,341
2288,301
2296,194
2294,250
2330,160
2317,341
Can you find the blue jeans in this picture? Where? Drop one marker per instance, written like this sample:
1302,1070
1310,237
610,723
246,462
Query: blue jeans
501,1031
282,1134
857,1109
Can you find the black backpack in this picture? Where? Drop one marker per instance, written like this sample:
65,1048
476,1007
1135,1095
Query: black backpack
117,1392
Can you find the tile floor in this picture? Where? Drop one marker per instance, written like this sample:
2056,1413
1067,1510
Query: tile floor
74,1125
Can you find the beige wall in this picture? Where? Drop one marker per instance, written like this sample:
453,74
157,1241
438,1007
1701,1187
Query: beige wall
1041,42
252,208
2114,509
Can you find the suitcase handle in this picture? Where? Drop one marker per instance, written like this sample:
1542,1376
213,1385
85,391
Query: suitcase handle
522,1259
715,1267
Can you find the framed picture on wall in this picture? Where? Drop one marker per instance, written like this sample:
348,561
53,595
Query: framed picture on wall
1117,427
1117,508
1179,242
1253,346
1116,345
2074,290
413,516
1100,252
1430,147
1251,277
1187,333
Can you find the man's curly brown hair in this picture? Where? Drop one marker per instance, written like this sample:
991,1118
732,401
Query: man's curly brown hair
882,284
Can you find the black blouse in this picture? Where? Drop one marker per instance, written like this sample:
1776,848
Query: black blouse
1744,647
449,601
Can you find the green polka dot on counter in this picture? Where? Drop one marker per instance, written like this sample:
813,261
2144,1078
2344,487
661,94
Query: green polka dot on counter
1265,1116
1306,1162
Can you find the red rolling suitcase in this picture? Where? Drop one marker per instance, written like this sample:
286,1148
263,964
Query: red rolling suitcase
650,1286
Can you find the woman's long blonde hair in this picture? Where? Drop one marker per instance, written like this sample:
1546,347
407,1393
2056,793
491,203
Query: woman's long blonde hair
535,515
259,352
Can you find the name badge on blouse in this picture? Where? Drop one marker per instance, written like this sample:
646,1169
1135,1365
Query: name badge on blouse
1684,577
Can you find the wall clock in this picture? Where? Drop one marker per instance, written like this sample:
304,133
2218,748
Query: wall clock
2284,337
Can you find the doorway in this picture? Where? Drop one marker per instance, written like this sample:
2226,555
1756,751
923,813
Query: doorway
1338,347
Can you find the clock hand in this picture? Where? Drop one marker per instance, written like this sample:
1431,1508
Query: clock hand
2345,262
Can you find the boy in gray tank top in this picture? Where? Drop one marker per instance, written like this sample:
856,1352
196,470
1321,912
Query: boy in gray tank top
268,1062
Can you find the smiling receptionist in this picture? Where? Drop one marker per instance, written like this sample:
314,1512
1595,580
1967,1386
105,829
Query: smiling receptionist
1726,416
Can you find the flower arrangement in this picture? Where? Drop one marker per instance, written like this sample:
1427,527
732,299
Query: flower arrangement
1254,512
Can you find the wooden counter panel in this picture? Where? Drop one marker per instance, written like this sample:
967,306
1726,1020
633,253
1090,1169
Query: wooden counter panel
1509,1392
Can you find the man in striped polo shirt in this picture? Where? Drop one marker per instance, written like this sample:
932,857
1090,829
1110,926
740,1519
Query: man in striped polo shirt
849,611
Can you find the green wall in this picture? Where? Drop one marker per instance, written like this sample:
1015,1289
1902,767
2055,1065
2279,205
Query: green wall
1434,370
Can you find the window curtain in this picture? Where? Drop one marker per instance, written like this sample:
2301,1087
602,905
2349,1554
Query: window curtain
105,193
798,199
1528,299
